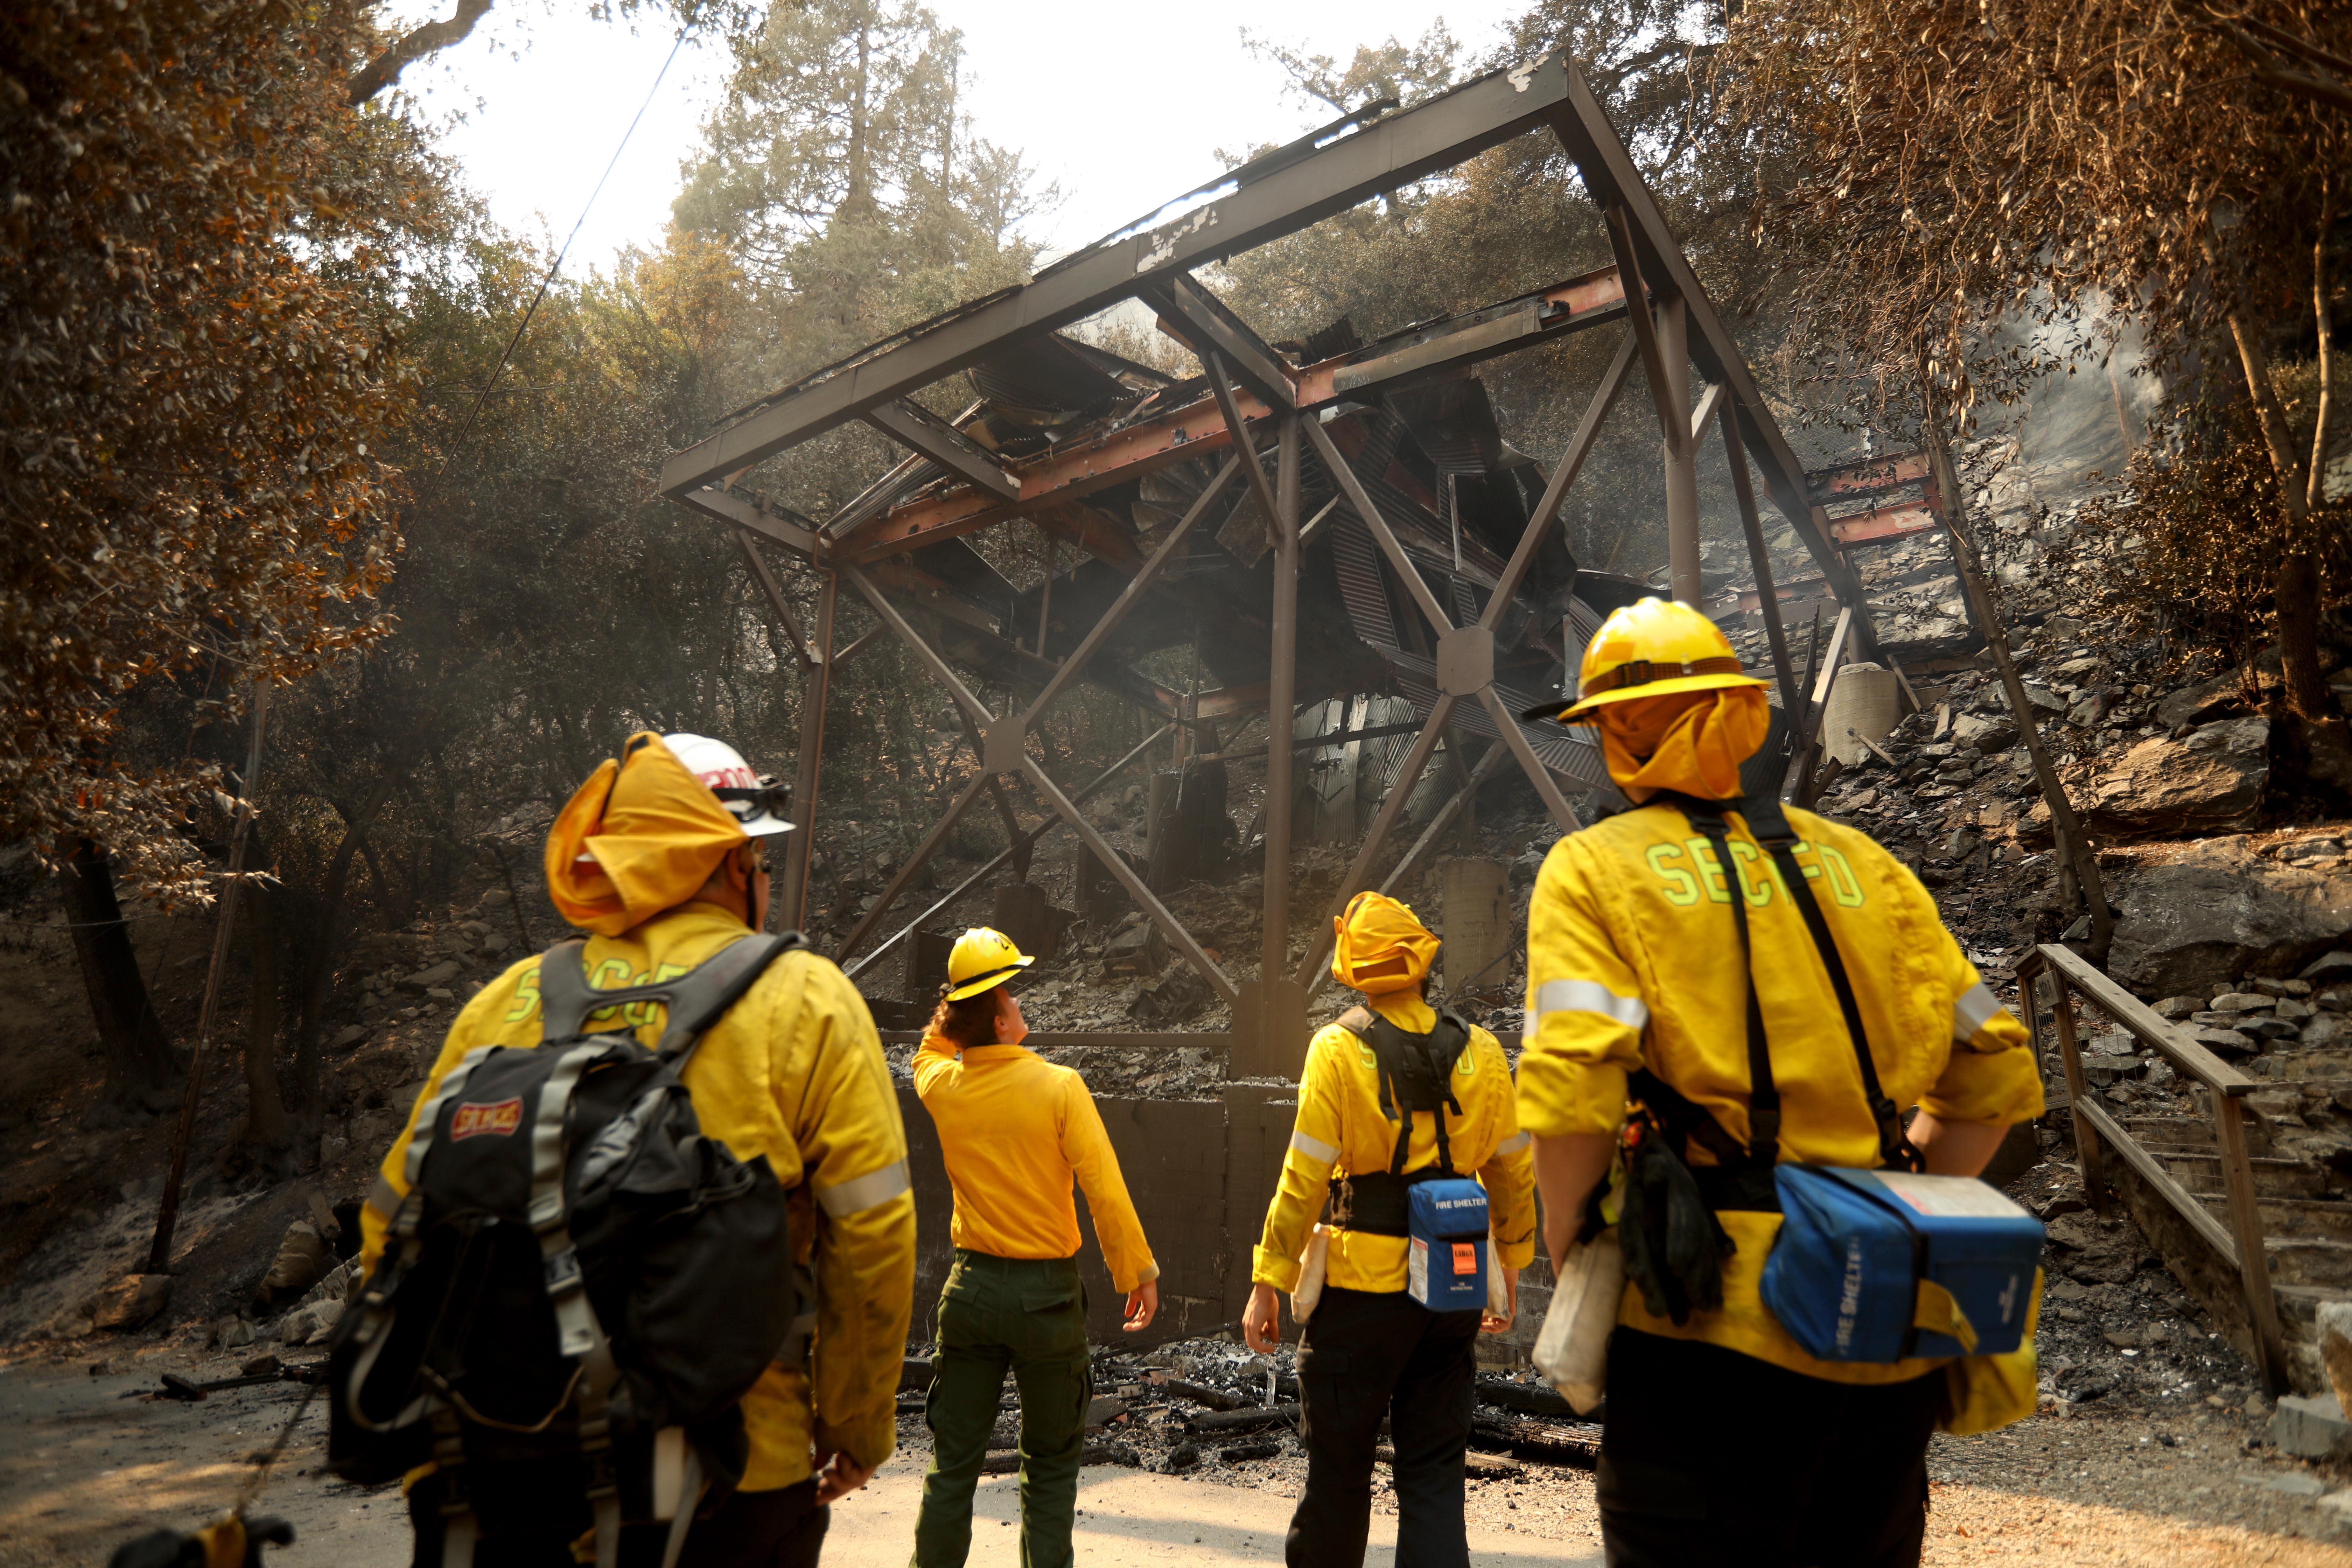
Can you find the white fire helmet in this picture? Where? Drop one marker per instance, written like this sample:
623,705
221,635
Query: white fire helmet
750,798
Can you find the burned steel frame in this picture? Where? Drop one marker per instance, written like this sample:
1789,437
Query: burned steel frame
1252,390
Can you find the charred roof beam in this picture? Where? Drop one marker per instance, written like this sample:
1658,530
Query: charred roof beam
1195,430
1203,323
1367,162
913,426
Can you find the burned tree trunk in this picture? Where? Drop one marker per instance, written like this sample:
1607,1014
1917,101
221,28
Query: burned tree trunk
139,1058
268,1132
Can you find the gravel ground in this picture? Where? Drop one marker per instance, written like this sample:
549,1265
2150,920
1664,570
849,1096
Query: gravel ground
2130,1478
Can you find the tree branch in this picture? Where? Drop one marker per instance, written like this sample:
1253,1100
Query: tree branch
429,39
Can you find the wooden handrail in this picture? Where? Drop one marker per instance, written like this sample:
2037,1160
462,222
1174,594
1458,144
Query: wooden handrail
2189,1058
2240,1242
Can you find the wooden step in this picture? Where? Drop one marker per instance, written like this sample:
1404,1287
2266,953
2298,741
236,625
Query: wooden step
2170,1131
2327,1219
2273,1178
2298,1305
2309,1260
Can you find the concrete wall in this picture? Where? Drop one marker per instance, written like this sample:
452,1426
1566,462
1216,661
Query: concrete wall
1201,1172
1177,1158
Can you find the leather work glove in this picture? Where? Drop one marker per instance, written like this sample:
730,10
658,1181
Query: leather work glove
1672,1243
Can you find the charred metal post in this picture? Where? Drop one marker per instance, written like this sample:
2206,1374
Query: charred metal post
1768,596
816,687
1275,1035
1682,455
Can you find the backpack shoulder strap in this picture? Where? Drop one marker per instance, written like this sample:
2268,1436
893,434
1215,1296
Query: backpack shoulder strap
1357,1021
695,1000
1770,824
1449,1039
1709,819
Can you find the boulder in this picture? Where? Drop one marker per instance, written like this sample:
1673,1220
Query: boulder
2312,1428
2211,782
1987,733
425,980
2327,968
2218,908
302,1256
2179,1007
2335,1325
2095,1251
2206,701
130,1302
2228,1044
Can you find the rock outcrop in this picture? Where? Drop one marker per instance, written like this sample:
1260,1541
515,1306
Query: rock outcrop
2212,781
2220,908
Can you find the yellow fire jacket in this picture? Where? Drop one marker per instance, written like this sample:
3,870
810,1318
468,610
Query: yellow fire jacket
1016,1131
1340,1130
794,1071
1632,960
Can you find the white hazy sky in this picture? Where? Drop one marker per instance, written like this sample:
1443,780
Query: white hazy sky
1122,104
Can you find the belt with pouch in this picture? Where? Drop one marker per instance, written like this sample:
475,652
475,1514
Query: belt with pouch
1377,1202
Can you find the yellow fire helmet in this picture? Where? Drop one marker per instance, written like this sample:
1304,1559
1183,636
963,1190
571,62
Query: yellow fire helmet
1378,945
1653,648
981,959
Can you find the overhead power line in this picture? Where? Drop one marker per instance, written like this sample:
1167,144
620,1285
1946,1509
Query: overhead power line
557,265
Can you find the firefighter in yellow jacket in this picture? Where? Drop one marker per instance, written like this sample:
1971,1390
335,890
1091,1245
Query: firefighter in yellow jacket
1393,1096
1016,1131
1724,1441
664,873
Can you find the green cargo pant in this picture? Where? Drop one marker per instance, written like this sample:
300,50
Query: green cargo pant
1027,1315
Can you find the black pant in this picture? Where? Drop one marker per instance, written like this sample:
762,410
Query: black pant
1367,1355
1711,1457
779,1528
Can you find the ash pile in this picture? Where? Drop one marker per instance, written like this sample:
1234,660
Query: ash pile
1219,1411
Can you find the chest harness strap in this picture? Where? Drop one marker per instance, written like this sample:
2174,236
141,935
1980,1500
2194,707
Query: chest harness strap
1683,1119
1415,1073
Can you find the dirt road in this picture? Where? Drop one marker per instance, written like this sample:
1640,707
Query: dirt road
88,1461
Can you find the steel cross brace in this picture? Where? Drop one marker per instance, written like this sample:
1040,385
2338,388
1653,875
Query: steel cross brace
1027,844
1607,169
1003,751
1425,746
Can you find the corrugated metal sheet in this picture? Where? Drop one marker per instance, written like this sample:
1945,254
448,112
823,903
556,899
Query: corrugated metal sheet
1356,562
1570,751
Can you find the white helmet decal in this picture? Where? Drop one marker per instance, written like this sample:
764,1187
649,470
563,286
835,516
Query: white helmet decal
752,799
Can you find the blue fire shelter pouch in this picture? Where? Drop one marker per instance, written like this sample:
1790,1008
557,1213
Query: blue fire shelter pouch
1881,1266
1442,1213
1445,1268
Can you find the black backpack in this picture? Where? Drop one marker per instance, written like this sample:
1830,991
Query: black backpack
579,1286
1415,1075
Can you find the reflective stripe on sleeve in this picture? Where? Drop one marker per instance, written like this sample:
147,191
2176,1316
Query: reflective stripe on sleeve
1590,996
1975,1009
1514,1143
859,1193
384,1197
1314,1148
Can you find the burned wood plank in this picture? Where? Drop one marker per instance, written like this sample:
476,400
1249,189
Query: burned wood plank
1244,1420
1524,1398
1214,1398
1478,1467
1578,1445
